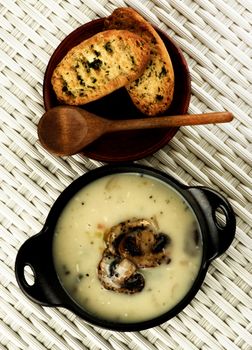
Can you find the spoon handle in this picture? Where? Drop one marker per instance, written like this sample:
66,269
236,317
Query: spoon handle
171,121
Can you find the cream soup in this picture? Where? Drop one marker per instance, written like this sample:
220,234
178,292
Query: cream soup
79,245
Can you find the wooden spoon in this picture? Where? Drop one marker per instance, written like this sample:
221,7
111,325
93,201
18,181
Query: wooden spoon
66,130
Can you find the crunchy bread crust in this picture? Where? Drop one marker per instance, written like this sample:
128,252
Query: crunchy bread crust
99,65
152,93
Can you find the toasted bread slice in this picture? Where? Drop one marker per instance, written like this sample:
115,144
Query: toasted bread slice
99,65
152,93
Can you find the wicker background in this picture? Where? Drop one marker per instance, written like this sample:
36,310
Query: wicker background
216,38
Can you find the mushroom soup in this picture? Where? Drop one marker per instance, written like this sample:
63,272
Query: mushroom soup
127,248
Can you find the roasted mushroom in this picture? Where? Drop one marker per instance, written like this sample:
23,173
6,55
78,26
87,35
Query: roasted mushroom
139,242
119,274
130,245
114,236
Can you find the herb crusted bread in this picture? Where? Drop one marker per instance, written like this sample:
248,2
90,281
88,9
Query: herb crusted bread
152,93
99,65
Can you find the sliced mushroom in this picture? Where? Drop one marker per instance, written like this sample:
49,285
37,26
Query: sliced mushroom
146,249
132,244
114,236
139,242
119,274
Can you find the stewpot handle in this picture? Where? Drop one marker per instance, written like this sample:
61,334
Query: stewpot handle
34,253
225,232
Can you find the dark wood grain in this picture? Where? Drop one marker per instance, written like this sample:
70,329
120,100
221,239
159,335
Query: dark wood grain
125,145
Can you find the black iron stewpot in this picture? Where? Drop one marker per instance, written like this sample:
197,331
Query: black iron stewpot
36,252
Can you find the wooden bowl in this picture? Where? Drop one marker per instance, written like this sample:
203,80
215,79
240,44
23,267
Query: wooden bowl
127,145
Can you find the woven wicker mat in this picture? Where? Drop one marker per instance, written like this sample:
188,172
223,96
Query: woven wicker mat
215,36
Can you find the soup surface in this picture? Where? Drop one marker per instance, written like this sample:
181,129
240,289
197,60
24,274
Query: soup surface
79,245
